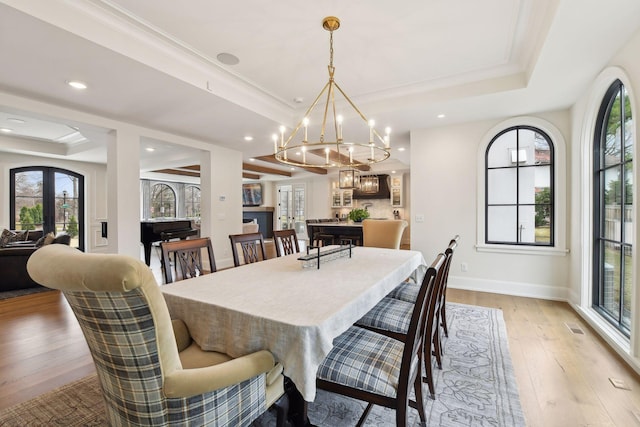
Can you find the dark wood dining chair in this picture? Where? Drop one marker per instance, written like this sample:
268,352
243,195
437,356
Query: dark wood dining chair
286,242
251,245
408,291
184,258
442,314
378,369
391,317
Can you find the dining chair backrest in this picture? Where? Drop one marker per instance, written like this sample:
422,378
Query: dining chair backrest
251,245
383,233
286,242
184,258
453,244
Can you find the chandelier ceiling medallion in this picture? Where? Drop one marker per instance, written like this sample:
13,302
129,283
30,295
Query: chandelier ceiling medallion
331,149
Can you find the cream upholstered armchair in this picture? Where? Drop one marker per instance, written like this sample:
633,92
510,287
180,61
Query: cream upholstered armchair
150,371
383,233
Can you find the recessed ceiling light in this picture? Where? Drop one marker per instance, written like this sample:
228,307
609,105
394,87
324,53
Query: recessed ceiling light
252,159
227,58
6,130
441,116
292,168
150,149
248,138
298,100
14,120
393,171
77,85
400,148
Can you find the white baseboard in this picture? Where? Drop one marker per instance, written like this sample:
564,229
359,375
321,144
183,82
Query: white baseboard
520,289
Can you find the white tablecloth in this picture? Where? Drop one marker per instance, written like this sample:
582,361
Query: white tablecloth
293,312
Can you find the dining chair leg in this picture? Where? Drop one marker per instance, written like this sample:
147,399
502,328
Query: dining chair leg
417,389
443,318
282,411
436,350
364,415
428,377
437,344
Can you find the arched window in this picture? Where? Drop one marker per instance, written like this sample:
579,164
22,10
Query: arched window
192,201
163,201
613,208
519,188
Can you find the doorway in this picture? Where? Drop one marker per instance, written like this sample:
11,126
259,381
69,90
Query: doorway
291,209
48,199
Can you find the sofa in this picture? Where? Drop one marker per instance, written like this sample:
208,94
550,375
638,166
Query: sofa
14,257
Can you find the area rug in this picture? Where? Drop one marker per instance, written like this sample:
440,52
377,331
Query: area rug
476,387
21,292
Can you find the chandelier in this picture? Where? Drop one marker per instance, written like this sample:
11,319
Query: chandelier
331,149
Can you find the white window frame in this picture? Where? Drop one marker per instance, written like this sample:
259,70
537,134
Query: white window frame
627,348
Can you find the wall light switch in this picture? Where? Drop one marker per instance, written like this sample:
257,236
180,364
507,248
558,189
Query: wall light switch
419,217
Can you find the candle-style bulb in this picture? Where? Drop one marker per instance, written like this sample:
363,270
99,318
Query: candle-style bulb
274,137
305,122
372,123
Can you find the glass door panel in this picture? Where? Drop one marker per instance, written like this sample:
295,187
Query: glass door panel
67,205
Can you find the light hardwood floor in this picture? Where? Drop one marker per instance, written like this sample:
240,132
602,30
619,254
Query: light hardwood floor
563,378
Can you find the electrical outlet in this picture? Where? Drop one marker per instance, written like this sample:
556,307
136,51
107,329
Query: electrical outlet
464,267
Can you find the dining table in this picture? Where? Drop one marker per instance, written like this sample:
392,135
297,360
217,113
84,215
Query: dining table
291,310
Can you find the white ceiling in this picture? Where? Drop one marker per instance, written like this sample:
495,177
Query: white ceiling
153,63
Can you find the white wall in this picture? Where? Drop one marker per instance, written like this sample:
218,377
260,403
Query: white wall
444,179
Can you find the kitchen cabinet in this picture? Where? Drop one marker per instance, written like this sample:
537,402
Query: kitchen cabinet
396,191
341,198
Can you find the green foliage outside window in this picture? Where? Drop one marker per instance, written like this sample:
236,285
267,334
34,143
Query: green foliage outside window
72,227
30,217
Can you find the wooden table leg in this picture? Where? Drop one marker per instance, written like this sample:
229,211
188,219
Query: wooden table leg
297,405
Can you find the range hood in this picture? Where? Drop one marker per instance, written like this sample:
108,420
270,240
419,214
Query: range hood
369,190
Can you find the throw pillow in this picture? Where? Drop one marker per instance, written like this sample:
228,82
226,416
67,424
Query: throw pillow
21,236
6,237
40,241
49,238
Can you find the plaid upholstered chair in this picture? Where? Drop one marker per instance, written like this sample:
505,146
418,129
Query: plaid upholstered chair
378,369
391,317
150,371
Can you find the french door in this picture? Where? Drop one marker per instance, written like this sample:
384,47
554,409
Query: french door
291,208
48,199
